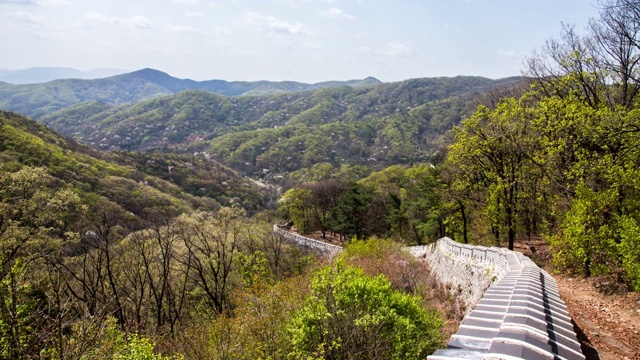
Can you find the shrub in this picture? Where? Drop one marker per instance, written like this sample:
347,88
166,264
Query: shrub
351,315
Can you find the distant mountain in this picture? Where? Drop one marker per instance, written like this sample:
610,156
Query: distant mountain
36,100
272,136
134,181
235,88
38,75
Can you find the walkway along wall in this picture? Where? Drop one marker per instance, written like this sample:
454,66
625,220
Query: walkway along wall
519,316
514,309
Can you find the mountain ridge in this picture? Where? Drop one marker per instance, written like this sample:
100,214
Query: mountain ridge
36,100
282,133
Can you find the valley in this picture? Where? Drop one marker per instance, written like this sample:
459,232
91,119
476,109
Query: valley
137,209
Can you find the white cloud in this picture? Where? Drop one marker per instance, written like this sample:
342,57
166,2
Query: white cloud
194,14
508,54
272,25
336,13
397,49
19,2
140,22
391,49
223,30
53,2
186,29
452,27
91,17
37,2
188,2
24,17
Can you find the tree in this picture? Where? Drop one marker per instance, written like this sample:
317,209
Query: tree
32,228
348,215
157,248
349,315
421,203
324,196
495,152
32,218
295,204
212,243
615,42
601,67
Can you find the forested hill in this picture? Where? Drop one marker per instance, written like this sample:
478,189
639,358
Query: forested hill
307,131
133,182
36,100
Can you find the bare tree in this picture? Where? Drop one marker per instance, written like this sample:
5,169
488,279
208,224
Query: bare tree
156,248
601,66
212,243
615,44
93,274
571,55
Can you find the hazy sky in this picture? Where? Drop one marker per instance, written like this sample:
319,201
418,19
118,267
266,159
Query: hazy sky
303,40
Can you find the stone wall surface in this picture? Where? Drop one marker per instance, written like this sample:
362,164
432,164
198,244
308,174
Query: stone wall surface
514,309
315,246
520,315
467,270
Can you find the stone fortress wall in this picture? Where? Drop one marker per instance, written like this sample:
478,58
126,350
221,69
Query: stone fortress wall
514,309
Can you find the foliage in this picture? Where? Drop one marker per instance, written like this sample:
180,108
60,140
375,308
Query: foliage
114,344
371,126
181,182
400,202
39,99
32,218
350,315
18,317
384,257
494,154
562,160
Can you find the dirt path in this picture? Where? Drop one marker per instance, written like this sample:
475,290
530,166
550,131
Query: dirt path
608,326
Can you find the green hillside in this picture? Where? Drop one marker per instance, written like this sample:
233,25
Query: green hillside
136,182
36,100
273,135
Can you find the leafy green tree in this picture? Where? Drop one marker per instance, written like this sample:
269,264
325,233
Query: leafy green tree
350,315
295,204
495,152
421,203
32,218
110,342
348,216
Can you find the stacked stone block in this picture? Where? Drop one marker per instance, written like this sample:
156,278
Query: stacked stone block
520,316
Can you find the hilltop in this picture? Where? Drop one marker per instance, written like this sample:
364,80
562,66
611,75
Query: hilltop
373,126
36,100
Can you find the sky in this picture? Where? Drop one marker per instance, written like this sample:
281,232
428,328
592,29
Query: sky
301,40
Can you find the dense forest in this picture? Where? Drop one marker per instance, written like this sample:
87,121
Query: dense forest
104,252
149,236
285,136
36,100
559,160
